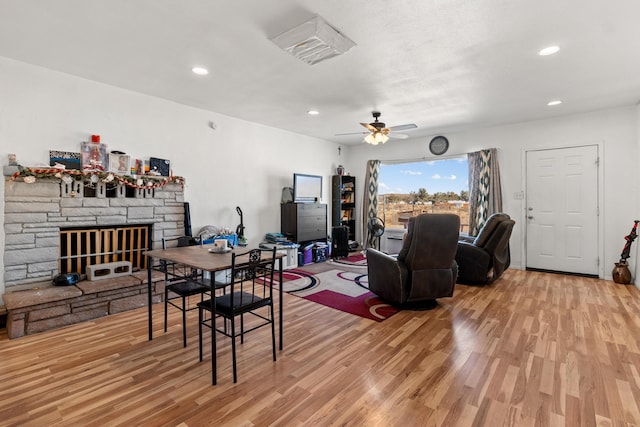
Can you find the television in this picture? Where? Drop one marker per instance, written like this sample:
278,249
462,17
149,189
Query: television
307,188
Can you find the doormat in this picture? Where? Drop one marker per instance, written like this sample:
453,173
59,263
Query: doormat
342,290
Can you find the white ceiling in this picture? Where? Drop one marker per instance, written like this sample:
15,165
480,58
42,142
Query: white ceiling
445,65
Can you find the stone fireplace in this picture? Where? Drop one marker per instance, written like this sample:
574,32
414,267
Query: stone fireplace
36,213
52,226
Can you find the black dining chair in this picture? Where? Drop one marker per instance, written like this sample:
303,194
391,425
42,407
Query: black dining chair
181,283
249,293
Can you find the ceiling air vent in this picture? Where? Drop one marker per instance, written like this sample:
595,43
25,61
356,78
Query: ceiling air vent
313,41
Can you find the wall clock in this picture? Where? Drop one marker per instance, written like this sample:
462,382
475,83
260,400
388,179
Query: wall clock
439,145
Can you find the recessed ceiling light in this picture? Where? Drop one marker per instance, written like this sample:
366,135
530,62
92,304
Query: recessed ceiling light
549,50
552,103
313,112
201,71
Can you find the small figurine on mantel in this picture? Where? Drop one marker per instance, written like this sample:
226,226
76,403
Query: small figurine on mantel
12,167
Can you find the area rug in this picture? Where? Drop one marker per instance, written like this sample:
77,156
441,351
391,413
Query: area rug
339,289
356,260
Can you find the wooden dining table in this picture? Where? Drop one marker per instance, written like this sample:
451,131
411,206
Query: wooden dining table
200,258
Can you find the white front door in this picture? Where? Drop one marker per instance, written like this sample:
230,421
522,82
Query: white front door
562,210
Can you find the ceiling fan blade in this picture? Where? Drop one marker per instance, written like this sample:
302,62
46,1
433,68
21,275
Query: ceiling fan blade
368,126
403,127
352,133
398,135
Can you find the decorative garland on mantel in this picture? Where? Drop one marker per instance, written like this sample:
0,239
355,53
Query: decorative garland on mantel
30,175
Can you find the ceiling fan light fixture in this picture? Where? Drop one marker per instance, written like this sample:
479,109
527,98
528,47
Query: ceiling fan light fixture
376,138
313,41
377,131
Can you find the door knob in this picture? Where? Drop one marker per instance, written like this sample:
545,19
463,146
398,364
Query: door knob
530,217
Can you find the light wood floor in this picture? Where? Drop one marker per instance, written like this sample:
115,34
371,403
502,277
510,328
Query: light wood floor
531,349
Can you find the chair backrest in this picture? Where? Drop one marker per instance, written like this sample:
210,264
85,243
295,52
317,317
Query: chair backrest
172,268
163,263
432,241
489,228
252,273
498,247
499,239
404,251
176,242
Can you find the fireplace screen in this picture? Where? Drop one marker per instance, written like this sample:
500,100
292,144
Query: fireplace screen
80,247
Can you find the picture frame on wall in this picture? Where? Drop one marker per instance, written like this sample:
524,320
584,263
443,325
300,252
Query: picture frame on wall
119,163
94,157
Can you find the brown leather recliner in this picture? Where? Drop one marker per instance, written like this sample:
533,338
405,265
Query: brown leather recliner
425,268
482,259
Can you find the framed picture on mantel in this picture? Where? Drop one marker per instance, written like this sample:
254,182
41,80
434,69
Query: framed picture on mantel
68,159
159,166
94,157
119,163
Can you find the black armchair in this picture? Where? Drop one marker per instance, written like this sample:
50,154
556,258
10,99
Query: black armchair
482,259
425,268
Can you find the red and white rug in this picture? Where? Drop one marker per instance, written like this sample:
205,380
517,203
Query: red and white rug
342,290
355,260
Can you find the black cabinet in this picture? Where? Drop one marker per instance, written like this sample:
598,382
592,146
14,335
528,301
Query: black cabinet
340,242
343,203
304,222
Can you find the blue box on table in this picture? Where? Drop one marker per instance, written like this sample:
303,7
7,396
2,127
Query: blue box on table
231,238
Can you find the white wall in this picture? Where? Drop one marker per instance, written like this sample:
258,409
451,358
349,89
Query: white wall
238,164
245,164
637,257
615,130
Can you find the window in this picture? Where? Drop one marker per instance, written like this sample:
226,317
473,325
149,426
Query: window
409,189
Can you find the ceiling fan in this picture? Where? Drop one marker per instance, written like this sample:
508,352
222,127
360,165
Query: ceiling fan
378,133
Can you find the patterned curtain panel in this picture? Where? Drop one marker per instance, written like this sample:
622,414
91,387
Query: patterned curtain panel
370,202
485,190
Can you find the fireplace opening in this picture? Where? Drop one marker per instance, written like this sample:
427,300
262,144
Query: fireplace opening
83,246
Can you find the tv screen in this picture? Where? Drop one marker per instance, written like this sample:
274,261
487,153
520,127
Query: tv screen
307,188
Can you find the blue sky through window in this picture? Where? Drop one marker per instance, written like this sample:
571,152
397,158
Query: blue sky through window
434,176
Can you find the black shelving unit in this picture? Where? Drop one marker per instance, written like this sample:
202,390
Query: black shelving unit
343,203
